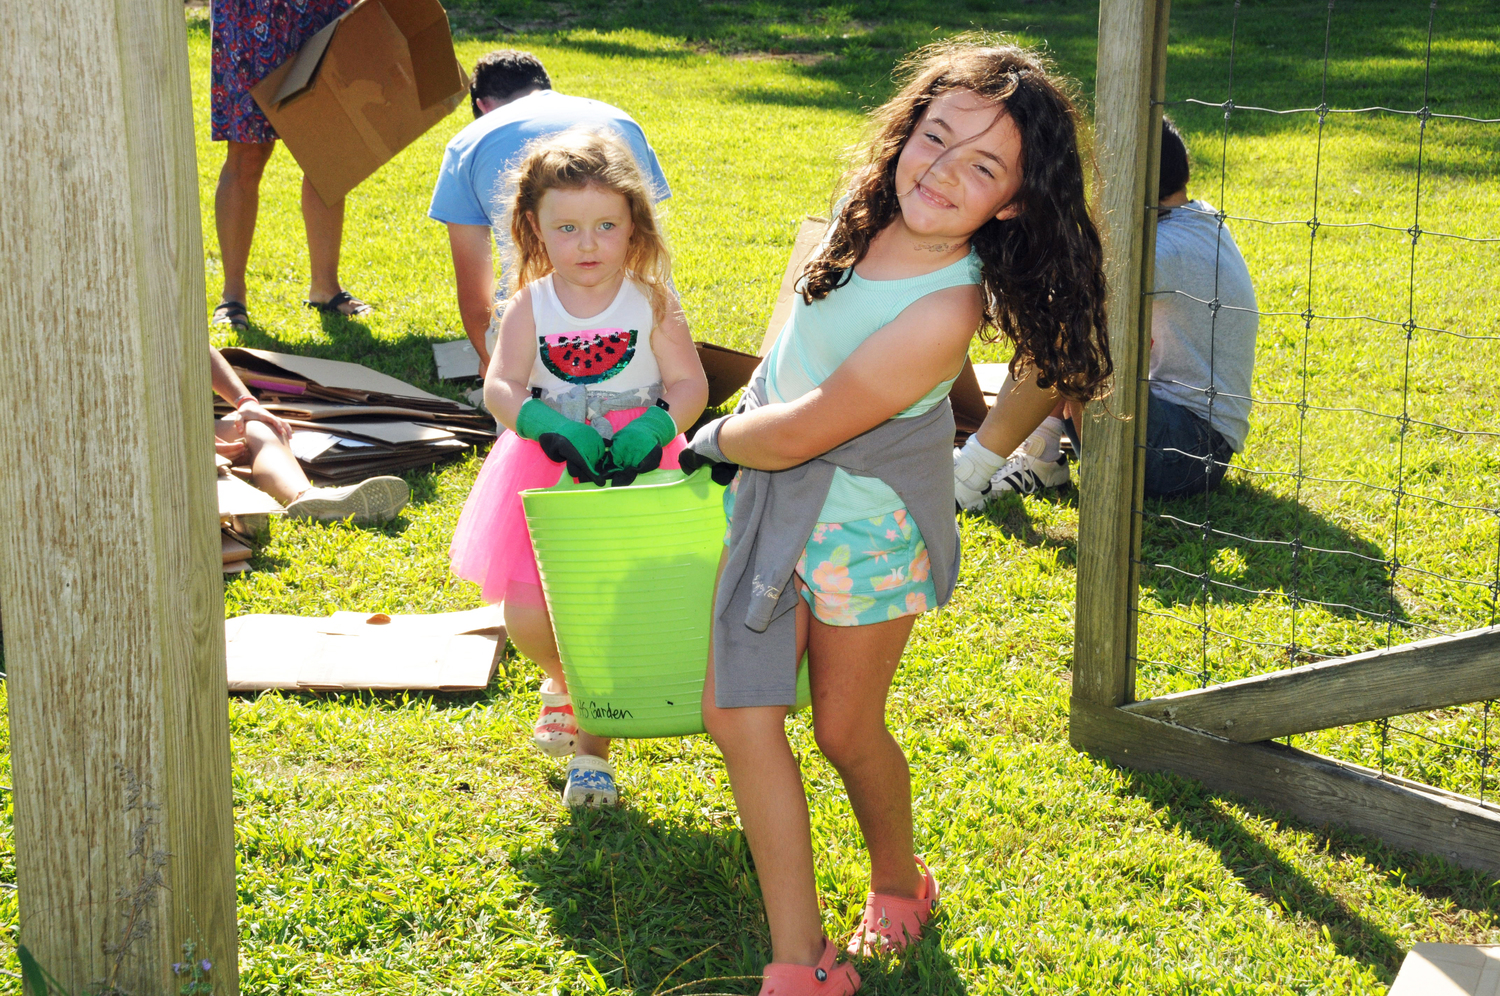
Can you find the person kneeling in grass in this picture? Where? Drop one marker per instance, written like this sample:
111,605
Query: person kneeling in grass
256,438
1203,324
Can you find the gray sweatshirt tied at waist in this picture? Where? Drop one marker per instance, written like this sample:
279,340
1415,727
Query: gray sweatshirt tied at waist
754,626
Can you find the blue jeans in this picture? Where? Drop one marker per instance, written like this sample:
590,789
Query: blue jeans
1184,455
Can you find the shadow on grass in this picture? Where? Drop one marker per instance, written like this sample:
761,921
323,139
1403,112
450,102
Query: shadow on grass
1273,545
659,906
1260,869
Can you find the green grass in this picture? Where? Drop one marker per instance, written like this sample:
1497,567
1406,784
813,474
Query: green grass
415,843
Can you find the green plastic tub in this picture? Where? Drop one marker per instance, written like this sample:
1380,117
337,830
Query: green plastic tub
629,578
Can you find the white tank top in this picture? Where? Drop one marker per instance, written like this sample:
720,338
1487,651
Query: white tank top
607,353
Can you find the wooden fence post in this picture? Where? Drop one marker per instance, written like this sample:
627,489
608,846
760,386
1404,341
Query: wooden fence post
109,564
1127,124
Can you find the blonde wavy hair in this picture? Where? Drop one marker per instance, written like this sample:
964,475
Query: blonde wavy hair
570,161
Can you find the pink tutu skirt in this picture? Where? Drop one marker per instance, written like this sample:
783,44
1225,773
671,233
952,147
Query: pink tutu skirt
491,546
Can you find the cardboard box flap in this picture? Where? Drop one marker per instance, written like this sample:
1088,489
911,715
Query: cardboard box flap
727,370
305,64
439,75
808,236
969,406
368,90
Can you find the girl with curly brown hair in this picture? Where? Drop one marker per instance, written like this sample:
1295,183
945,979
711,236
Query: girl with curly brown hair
966,214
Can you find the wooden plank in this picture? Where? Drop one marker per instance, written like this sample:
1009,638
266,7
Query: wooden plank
1132,66
1314,789
1429,674
109,553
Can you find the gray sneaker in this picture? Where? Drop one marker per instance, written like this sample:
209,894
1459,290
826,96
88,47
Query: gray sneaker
371,502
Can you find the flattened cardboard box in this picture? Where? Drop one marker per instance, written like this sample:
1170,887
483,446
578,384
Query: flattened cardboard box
363,89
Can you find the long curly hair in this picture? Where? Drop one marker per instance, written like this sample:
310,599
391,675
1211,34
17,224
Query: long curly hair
571,160
1042,275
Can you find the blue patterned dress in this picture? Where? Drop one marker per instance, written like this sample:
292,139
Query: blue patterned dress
251,38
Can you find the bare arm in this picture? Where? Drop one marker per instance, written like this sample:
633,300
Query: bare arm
505,382
474,278
227,385
890,371
684,385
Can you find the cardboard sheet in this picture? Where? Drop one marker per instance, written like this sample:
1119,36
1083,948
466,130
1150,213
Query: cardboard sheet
728,370
991,377
1449,970
448,651
335,374
455,360
245,510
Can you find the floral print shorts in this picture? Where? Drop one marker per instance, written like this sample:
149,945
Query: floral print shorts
862,572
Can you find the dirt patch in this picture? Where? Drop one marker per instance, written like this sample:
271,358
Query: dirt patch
800,58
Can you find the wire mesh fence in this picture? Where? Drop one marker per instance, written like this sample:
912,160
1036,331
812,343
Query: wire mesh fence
1363,510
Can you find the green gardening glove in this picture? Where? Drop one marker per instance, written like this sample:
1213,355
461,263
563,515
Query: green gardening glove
637,445
565,441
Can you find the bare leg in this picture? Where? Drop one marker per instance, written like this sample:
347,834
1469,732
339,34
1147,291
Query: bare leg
1017,411
273,468
325,234
772,804
852,668
236,204
529,627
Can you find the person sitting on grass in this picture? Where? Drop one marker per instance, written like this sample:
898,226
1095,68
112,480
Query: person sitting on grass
514,104
254,437
1202,359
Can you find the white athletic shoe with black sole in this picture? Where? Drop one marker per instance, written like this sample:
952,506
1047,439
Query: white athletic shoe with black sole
371,502
1025,473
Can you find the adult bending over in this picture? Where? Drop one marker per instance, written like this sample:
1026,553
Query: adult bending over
514,105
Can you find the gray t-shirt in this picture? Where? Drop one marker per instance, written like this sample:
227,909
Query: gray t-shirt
1191,345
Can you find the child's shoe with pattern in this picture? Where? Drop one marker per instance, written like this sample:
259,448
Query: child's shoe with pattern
1027,471
890,923
556,730
828,977
591,783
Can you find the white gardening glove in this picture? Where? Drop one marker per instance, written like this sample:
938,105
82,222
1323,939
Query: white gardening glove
973,466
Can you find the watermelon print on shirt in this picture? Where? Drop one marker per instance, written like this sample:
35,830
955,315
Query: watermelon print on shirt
590,356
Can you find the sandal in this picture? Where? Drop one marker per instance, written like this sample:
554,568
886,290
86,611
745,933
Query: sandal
827,978
335,305
556,731
591,783
890,923
231,313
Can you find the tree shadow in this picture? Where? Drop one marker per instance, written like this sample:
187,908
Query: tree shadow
657,905
1189,807
1009,513
1262,544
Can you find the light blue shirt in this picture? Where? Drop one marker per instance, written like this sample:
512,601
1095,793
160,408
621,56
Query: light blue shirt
820,336
471,183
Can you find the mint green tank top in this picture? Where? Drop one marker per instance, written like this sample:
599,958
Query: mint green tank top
818,337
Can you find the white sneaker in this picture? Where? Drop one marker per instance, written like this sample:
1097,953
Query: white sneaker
374,501
1027,473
